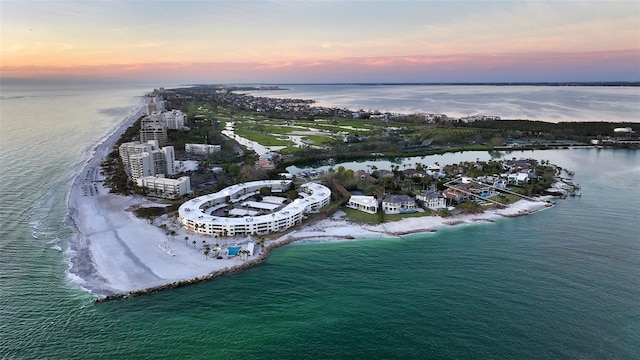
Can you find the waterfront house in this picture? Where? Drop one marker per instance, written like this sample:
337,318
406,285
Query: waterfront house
384,173
397,204
518,179
364,203
458,193
432,199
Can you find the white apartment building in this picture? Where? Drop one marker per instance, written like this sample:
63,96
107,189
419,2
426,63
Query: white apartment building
141,165
195,214
201,149
174,119
155,104
165,188
170,160
131,148
149,108
143,160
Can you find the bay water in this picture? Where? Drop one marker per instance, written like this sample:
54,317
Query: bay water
560,284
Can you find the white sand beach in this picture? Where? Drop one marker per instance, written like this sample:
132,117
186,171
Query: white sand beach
115,252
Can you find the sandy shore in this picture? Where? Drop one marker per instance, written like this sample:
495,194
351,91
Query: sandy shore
114,252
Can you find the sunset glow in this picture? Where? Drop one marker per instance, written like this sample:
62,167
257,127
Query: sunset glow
320,41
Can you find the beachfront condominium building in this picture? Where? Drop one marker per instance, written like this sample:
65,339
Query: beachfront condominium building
132,148
170,160
201,149
154,104
152,127
165,188
174,119
141,165
196,214
143,160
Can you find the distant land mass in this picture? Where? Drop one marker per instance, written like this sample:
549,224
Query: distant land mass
573,83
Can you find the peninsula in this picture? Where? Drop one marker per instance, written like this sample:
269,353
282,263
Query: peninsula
131,239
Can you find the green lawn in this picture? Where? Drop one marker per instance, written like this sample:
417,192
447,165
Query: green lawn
366,218
319,140
361,217
397,217
261,138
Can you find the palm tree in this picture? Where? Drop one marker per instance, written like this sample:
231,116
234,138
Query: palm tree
206,252
186,238
194,244
243,254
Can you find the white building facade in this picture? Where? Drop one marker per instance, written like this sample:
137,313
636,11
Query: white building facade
201,149
174,119
132,148
195,215
165,188
145,159
364,203
397,204
432,200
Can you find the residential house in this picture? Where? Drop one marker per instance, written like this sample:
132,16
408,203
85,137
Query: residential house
397,204
432,199
268,160
458,193
518,179
384,173
364,176
364,203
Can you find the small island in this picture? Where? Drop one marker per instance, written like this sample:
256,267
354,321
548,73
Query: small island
174,197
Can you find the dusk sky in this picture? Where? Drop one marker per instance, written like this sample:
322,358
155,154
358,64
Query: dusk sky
321,41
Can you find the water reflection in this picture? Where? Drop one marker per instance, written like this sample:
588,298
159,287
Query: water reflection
562,157
252,145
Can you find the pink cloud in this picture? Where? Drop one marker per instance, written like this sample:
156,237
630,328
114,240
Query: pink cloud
583,66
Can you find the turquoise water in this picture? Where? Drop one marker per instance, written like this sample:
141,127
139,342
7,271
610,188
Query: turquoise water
562,283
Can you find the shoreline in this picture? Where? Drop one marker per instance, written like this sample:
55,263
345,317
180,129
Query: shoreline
337,229
113,255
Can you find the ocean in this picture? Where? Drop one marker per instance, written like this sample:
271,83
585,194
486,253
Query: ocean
560,284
